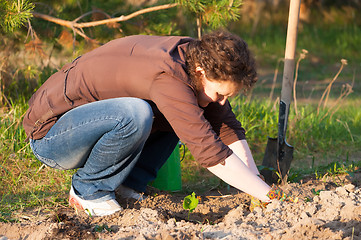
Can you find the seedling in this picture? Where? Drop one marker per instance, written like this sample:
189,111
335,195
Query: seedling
317,193
102,228
190,203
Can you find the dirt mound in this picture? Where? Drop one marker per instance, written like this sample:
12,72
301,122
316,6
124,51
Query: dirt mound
330,211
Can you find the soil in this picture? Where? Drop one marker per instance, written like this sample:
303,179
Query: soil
330,209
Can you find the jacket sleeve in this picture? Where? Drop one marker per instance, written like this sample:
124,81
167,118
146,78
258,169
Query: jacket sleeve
178,103
224,122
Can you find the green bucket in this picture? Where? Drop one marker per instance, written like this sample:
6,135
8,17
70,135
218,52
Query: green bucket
169,175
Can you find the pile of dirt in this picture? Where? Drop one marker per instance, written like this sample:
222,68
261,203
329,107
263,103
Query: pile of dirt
329,210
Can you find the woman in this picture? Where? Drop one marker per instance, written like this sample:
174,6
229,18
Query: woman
116,114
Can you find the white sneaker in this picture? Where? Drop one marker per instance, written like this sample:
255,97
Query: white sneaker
128,193
92,207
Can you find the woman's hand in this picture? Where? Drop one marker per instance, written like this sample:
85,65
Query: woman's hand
275,193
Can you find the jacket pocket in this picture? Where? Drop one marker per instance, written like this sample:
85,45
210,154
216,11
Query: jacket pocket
39,112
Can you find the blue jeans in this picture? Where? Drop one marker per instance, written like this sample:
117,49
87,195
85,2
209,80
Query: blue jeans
105,141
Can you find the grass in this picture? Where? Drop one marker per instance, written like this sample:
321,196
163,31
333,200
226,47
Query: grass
327,43
327,140
24,182
310,132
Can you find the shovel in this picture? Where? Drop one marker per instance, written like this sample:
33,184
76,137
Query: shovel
279,154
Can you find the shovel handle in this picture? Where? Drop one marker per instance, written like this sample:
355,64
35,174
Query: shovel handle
289,66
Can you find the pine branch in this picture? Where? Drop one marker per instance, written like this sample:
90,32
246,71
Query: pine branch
77,26
14,14
213,13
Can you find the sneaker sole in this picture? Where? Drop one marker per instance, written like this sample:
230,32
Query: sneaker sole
74,203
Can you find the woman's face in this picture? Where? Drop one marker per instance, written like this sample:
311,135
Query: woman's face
214,91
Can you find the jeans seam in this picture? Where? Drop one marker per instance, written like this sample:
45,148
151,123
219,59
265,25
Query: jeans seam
84,123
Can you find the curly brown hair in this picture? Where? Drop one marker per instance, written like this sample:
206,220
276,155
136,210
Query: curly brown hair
224,57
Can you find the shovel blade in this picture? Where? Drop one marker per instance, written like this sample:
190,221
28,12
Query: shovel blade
277,158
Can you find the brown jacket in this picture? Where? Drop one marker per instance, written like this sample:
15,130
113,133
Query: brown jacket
147,67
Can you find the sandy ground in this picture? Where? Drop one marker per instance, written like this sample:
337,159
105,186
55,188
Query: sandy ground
331,210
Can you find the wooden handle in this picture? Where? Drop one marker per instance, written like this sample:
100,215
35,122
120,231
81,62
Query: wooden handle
289,65
292,29
288,70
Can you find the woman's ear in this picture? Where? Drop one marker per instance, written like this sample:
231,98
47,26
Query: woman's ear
200,71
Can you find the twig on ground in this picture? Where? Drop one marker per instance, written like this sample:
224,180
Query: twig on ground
223,196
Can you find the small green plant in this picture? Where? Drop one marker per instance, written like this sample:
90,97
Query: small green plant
190,203
102,228
317,193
